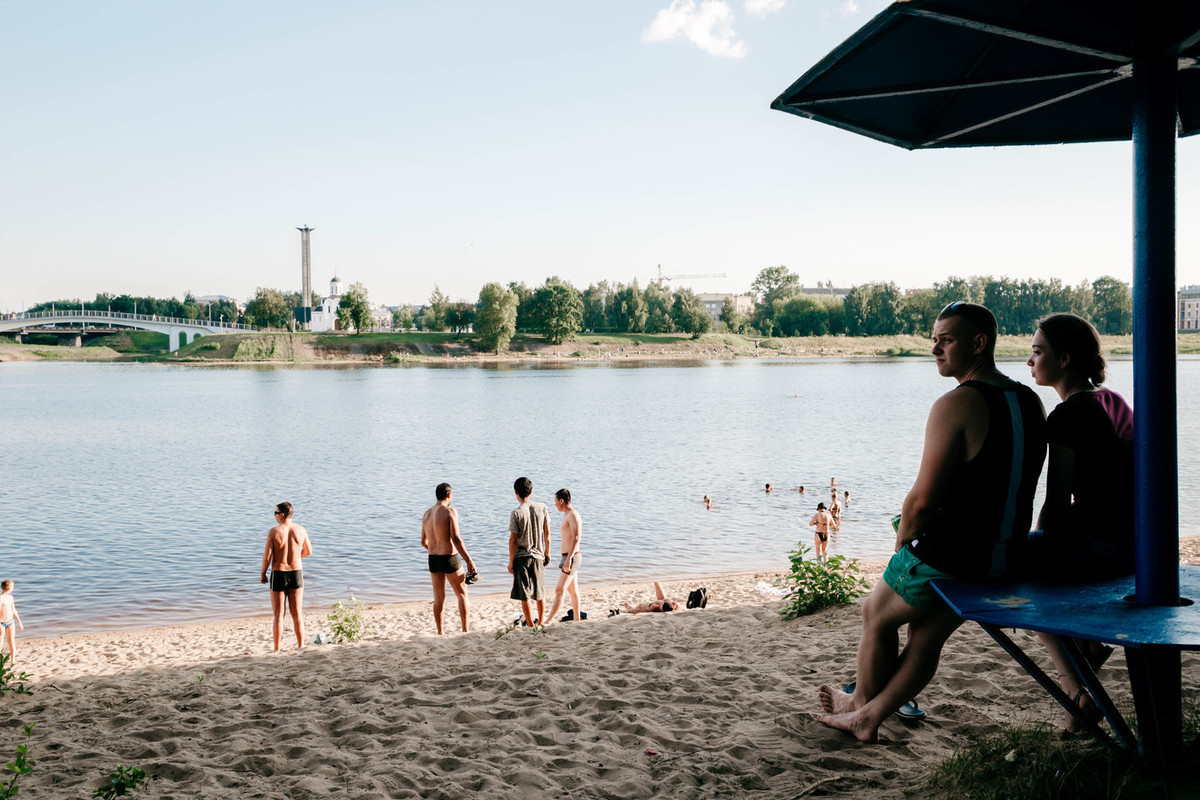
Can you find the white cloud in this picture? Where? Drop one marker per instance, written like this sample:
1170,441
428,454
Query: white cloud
761,8
709,26
848,8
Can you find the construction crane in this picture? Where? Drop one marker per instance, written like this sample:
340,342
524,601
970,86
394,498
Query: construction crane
664,278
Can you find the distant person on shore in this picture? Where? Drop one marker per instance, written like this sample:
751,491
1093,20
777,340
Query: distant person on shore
661,603
528,550
9,616
972,501
287,544
822,520
441,536
707,501
568,569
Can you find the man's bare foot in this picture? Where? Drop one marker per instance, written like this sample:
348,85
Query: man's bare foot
835,701
853,723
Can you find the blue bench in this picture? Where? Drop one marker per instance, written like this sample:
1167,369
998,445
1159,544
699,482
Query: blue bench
1098,612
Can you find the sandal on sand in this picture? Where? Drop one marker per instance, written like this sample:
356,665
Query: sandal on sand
612,612
909,712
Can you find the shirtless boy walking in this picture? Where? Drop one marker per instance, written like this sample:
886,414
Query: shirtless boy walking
440,535
569,533
287,544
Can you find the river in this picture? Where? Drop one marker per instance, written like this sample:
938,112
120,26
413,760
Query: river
136,495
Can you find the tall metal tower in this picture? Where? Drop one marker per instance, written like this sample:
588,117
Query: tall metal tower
305,316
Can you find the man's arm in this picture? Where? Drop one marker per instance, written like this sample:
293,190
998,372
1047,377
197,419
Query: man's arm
546,530
512,550
306,546
267,555
577,524
944,452
424,533
456,540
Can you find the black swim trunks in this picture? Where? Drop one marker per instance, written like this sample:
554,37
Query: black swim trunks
824,537
281,580
448,563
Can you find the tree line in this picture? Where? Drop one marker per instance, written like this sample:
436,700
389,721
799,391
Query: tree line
559,311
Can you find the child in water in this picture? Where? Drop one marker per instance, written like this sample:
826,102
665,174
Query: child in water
9,616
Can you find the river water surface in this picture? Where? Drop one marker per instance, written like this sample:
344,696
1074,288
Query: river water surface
137,495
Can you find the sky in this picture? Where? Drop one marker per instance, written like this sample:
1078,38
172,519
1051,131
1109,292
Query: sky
154,148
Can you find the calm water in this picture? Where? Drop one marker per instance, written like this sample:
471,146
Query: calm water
137,495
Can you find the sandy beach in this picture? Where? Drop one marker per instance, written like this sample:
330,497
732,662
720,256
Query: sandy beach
701,703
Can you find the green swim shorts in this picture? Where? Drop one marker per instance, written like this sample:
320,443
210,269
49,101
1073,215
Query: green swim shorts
909,577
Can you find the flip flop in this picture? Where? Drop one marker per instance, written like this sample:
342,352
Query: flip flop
909,712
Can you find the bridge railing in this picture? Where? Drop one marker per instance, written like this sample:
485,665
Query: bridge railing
121,315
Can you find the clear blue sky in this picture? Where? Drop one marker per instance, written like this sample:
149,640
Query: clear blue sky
155,147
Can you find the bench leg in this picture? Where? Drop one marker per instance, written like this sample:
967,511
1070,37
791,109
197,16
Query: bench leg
1155,673
1123,744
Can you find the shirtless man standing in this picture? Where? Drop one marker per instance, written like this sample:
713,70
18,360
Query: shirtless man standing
287,544
569,533
985,441
440,535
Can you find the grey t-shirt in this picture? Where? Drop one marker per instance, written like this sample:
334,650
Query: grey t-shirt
528,522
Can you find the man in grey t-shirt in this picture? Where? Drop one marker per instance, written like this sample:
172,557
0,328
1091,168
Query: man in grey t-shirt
528,549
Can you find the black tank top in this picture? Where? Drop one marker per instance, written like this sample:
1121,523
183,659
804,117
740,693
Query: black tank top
990,497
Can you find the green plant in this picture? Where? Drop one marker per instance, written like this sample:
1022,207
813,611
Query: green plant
348,620
125,781
540,654
11,681
812,585
21,765
538,630
506,629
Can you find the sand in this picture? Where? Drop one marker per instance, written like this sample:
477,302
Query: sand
702,703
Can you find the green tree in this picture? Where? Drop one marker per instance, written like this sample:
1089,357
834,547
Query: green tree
689,314
730,316
402,318
659,317
526,307
1112,305
874,309
595,297
560,311
496,317
433,316
267,309
801,315
919,311
354,309
627,311
772,283
460,316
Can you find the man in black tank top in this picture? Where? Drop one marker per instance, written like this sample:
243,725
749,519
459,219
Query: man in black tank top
984,446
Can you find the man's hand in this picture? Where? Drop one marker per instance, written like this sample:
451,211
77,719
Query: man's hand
546,563
510,567
264,578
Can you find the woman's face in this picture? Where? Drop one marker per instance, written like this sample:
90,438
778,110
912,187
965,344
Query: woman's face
1047,367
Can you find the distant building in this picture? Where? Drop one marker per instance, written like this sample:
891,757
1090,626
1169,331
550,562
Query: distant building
742,304
382,316
1189,308
324,316
826,291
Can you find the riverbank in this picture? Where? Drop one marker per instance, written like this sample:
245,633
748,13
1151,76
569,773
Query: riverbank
713,702
422,347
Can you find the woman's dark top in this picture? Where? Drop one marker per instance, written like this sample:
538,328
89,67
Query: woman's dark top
989,503
1098,428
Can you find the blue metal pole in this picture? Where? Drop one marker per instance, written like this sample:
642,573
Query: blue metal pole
1155,672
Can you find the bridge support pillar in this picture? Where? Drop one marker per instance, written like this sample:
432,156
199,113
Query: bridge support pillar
70,340
18,339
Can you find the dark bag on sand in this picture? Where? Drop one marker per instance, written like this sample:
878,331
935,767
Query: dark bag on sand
698,598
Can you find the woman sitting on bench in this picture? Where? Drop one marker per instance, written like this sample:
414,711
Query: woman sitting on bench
1087,520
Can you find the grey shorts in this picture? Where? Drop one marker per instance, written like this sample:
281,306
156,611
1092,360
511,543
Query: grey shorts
570,568
528,572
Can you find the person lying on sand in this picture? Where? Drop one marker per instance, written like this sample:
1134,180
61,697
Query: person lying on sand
661,603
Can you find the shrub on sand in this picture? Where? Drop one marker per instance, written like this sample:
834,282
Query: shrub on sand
812,584
348,620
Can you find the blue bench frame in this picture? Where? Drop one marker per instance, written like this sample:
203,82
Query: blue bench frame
1099,612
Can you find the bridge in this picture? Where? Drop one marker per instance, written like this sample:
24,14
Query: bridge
75,325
